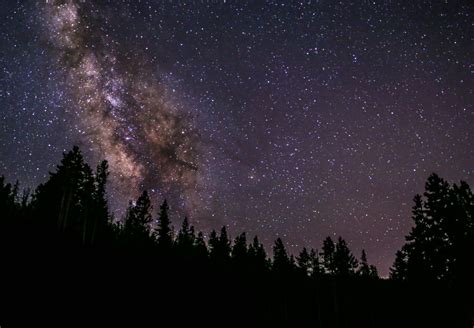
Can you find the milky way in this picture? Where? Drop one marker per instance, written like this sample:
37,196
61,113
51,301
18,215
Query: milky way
120,104
283,119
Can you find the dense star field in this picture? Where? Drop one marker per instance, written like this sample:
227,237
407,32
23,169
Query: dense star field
296,120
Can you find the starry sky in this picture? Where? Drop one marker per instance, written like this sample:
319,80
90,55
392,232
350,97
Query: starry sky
295,120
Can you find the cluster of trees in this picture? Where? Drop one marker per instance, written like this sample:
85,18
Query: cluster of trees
440,246
136,230
74,201
67,220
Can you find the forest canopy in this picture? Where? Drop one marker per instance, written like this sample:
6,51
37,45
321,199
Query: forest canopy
70,212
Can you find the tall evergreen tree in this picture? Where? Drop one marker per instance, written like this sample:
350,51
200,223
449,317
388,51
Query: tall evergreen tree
213,244
304,262
437,212
281,261
398,271
257,255
200,247
240,249
440,245
413,258
224,244
460,231
186,237
327,254
373,271
364,269
220,248
316,265
67,195
136,227
345,263
163,231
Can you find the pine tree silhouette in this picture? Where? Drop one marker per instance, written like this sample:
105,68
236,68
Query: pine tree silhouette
185,239
440,245
66,198
240,250
345,263
327,254
364,268
136,229
163,231
257,255
373,271
399,269
281,261
64,238
220,247
304,262
460,229
213,245
200,247
317,267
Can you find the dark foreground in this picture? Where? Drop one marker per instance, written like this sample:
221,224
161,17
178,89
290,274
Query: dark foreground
51,281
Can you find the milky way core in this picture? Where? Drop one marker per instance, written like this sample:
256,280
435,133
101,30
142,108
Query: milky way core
121,105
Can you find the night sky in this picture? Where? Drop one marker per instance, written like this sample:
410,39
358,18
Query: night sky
296,120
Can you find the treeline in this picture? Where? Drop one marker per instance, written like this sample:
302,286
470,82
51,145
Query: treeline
62,240
74,201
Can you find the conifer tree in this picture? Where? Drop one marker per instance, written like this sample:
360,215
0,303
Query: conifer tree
373,271
185,240
440,245
163,230
200,247
304,262
138,218
213,244
345,263
327,254
240,249
219,246
364,268
281,261
257,255
316,265
399,271
186,237
65,198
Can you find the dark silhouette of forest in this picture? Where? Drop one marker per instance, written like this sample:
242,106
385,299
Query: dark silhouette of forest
65,261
